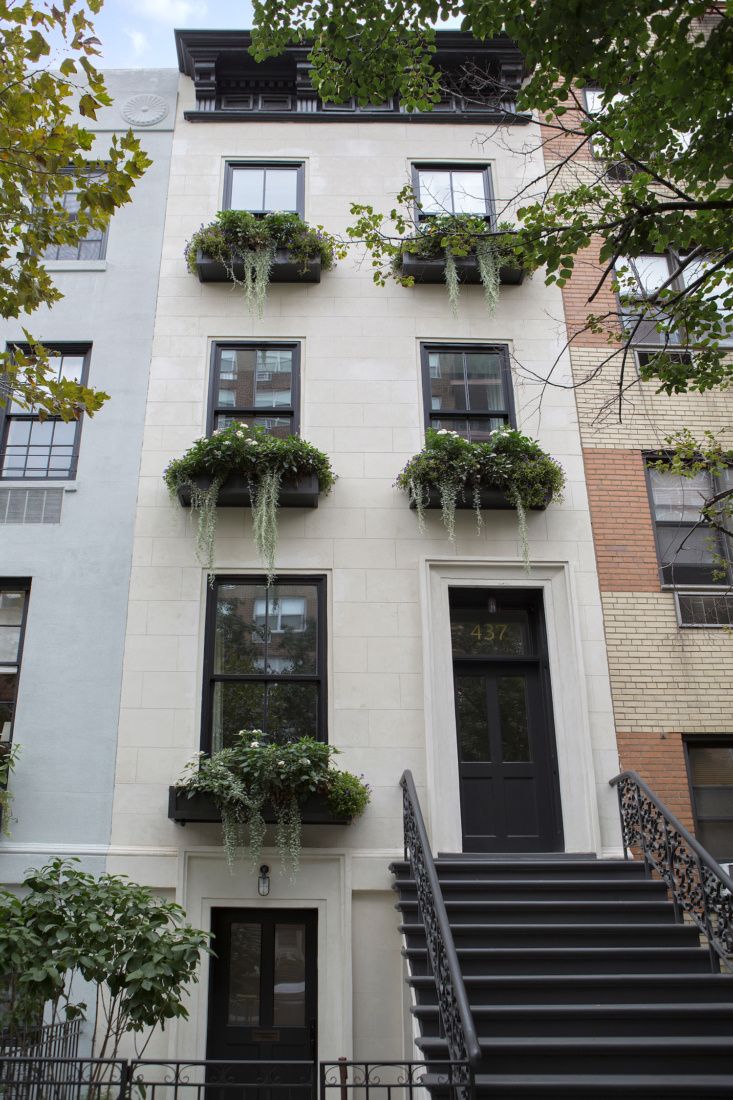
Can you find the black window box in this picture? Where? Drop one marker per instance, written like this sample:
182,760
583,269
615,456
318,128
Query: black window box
432,270
491,500
235,493
202,808
285,269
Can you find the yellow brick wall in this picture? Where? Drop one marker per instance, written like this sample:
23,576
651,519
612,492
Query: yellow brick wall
664,678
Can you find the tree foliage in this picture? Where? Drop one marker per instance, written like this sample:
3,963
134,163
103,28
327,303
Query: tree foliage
134,949
45,154
666,70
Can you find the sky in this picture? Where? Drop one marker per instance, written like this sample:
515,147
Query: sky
139,33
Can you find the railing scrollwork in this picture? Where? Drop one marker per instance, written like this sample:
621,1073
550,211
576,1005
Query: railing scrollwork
699,887
455,1012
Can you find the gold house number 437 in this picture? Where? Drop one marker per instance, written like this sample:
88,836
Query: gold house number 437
489,632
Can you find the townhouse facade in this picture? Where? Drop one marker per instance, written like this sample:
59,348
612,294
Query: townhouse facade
360,371
67,497
664,577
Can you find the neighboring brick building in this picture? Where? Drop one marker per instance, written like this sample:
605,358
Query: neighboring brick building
667,618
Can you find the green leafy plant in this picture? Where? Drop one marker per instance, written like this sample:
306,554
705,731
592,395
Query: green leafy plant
256,770
8,760
135,950
509,461
261,459
238,237
446,236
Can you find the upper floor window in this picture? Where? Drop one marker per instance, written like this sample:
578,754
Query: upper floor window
453,189
265,659
647,274
35,448
13,607
94,245
691,552
467,389
264,188
256,383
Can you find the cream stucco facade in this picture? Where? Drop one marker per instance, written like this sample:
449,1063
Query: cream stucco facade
389,676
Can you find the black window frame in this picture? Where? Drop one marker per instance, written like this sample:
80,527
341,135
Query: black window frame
430,414
705,741
102,241
667,572
293,411
230,167
453,166
7,417
16,584
320,677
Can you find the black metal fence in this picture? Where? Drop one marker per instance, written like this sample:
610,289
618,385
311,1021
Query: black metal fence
60,1040
120,1079
344,1080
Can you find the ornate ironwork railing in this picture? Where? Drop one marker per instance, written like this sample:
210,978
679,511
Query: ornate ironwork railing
698,885
344,1080
455,1012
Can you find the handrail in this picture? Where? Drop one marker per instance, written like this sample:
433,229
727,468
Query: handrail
455,1011
699,886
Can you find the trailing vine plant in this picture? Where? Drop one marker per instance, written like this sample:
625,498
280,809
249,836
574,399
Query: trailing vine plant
446,236
255,771
246,246
263,461
458,469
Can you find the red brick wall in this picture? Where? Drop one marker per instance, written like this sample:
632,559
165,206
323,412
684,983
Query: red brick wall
660,761
622,523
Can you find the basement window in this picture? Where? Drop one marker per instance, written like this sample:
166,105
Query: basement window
710,772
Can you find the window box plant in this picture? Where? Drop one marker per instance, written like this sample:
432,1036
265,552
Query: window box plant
253,252
509,471
242,466
456,249
256,781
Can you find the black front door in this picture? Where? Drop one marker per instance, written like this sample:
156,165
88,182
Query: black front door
506,748
263,990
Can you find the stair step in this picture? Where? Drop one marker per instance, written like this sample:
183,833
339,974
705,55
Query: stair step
521,857
468,889
490,961
559,1020
580,989
550,912
587,870
606,1087
589,1054
548,935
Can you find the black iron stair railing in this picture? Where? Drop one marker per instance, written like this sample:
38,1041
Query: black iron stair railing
698,885
455,1012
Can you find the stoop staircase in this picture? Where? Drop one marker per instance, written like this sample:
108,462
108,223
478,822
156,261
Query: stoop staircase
580,980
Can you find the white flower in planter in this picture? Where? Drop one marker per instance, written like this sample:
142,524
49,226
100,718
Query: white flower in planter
254,744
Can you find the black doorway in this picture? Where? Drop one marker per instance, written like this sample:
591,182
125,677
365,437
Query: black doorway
507,761
263,993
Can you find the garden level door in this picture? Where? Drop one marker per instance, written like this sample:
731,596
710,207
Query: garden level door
507,762
263,1000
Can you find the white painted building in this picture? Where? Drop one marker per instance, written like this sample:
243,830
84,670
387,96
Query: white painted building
364,363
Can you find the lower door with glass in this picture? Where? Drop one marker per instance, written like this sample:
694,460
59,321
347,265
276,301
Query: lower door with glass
262,1001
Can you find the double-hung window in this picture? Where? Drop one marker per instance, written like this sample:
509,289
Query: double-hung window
257,384
92,247
642,276
263,188
467,388
691,552
452,189
33,448
13,609
265,659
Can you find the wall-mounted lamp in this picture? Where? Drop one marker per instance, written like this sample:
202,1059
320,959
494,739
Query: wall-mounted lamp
263,882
